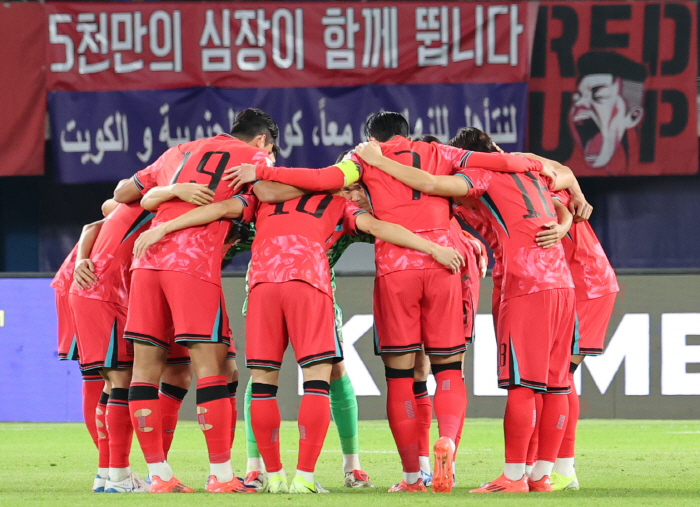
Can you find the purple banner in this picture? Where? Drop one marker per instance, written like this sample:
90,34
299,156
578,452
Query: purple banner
36,386
106,136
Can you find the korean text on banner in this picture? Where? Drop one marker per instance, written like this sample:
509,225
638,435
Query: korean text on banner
118,46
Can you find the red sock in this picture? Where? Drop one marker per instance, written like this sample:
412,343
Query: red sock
102,433
450,400
425,415
119,426
401,411
214,415
555,412
314,418
92,389
535,438
459,433
265,419
568,443
170,397
519,423
144,408
232,388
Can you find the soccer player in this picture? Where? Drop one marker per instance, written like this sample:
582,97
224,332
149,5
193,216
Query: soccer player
93,383
285,280
177,298
415,304
536,312
342,395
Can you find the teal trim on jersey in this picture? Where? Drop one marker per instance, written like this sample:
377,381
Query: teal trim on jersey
577,337
488,203
73,351
217,322
466,178
111,351
143,221
514,364
338,341
569,236
376,340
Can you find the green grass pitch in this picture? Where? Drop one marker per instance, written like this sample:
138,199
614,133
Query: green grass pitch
619,463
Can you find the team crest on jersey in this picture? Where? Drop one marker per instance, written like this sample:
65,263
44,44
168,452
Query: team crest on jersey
141,415
201,419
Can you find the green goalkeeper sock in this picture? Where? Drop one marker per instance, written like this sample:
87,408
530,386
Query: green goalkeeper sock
252,445
344,410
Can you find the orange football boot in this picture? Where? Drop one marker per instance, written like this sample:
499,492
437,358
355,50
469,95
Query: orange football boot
402,487
443,474
504,485
158,485
541,486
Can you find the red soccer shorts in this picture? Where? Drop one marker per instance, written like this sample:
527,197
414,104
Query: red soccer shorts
67,341
99,327
289,311
418,306
167,307
534,340
470,304
592,319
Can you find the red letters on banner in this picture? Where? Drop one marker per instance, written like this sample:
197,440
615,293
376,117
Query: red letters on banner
613,87
100,47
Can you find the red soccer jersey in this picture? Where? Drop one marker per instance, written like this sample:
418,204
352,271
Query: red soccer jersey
292,237
197,251
590,268
426,215
112,253
519,205
64,276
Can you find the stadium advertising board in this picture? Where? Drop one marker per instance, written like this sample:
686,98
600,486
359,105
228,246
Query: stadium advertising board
612,89
650,369
129,81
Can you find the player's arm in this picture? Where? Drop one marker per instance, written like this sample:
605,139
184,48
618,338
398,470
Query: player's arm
84,272
194,193
448,186
555,231
274,192
332,177
230,208
398,235
494,161
480,252
126,191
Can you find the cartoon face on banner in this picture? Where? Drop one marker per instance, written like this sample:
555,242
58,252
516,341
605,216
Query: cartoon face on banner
607,105
620,78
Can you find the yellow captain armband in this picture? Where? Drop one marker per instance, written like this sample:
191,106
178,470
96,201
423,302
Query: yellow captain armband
351,171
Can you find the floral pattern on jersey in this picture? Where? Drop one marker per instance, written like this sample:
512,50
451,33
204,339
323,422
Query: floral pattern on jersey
533,269
64,276
390,258
291,257
113,281
196,251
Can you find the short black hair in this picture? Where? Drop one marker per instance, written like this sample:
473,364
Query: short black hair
473,139
430,139
253,122
342,156
609,62
276,152
385,125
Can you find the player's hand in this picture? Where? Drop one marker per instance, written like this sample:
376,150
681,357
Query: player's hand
551,235
548,173
482,258
498,149
240,175
370,152
194,193
449,257
84,274
146,239
579,207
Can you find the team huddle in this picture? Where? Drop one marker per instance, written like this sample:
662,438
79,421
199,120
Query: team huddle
140,304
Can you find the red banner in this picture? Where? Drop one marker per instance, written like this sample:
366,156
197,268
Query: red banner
22,92
613,87
118,46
